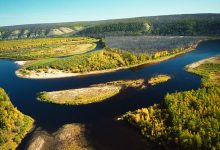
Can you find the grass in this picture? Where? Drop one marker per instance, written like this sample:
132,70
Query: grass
32,49
13,124
158,79
209,69
185,120
81,96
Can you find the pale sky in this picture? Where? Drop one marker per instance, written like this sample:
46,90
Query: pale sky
14,12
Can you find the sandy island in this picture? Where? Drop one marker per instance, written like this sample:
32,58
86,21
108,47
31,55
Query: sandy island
70,136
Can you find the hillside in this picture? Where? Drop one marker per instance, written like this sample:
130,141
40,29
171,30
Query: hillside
187,25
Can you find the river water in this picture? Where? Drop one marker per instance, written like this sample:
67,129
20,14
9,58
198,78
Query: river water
102,130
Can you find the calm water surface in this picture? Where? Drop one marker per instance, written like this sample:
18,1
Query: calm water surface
101,128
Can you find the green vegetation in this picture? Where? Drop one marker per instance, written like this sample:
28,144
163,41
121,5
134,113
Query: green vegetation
45,48
98,60
158,79
106,59
184,25
209,70
185,120
13,124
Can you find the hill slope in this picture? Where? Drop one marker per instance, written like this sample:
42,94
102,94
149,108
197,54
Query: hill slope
191,24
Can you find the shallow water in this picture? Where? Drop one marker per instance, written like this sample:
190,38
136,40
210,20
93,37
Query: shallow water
102,130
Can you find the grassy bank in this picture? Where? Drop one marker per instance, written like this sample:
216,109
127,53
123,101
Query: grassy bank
185,120
32,49
92,94
108,59
13,124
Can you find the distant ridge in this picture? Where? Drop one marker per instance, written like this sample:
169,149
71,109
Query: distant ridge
185,24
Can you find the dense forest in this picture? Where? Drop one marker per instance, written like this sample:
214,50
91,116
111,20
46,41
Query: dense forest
13,124
184,25
152,44
185,120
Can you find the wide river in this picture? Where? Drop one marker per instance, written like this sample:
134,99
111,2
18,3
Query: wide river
102,130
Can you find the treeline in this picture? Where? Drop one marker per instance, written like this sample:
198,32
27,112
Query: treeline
176,25
151,44
188,28
185,120
13,124
120,28
184,25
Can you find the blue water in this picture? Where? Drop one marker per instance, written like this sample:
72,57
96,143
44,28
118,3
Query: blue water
102,130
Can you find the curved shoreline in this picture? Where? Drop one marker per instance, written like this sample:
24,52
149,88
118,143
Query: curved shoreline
55,74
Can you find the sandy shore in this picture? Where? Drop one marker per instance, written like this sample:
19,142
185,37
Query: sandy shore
21,63
198,63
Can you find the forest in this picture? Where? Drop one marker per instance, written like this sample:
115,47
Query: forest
185,120
13,124
172,25
152,44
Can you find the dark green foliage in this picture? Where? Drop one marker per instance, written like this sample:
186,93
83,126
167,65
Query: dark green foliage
188,120
191,24
134,28
195,117
185,120
152,44
13,124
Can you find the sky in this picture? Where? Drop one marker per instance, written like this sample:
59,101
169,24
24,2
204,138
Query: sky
16,12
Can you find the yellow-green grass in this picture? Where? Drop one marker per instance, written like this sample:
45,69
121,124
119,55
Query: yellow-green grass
185,120
158,79
81,96
106,60
13,124
31,49
88,95
209,69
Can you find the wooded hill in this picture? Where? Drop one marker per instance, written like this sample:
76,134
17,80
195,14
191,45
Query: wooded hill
185,25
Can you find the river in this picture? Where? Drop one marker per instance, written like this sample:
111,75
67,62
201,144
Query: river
102,130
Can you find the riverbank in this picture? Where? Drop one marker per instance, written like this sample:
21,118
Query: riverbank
55,73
